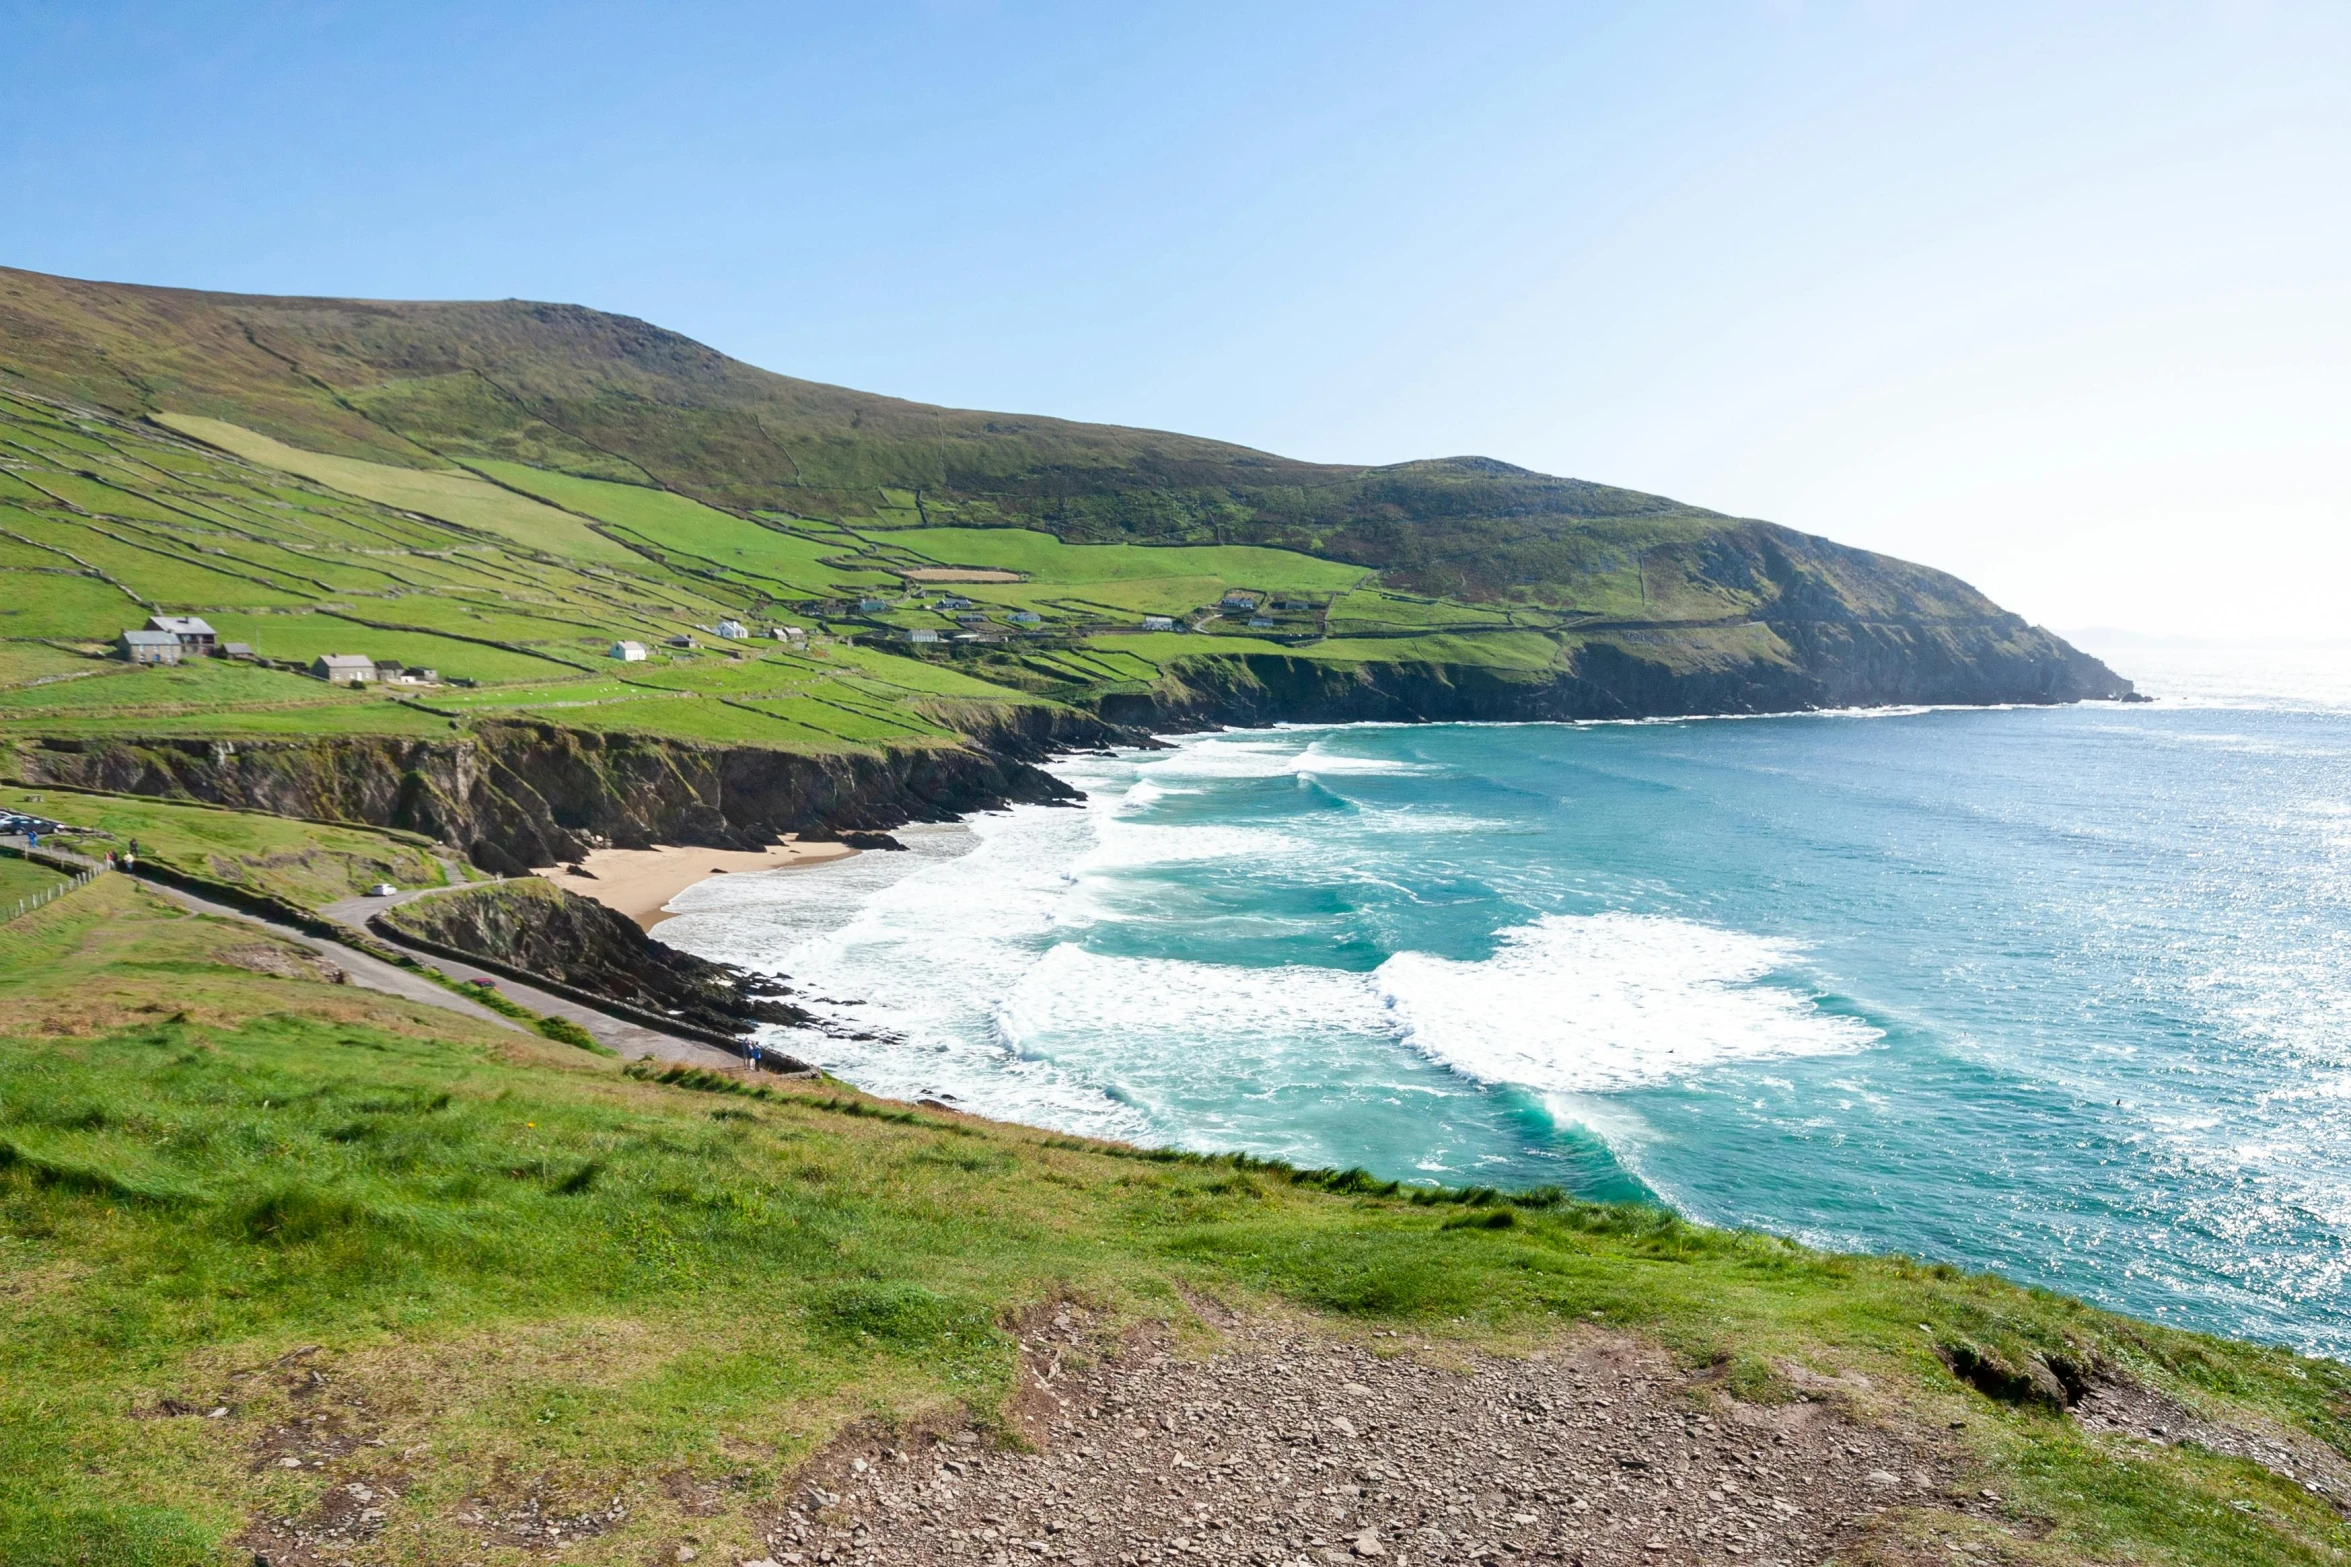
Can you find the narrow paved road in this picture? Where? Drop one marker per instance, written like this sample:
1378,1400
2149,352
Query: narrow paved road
630,1039
373,972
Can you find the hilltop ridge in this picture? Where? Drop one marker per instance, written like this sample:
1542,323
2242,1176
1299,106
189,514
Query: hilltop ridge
581,391
493,498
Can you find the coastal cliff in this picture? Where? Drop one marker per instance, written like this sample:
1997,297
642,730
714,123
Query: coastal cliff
511,796
542,929
1847,664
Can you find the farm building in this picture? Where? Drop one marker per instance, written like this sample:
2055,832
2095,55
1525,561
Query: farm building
1025,617
148,646
1159,623
1238,601
629,652
920,634
872,606
345,668
732,630
193,633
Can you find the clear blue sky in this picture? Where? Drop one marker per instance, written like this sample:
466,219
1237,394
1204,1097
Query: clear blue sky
2056,296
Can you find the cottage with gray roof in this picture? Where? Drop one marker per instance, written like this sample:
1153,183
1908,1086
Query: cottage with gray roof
149,646
344,668
193,632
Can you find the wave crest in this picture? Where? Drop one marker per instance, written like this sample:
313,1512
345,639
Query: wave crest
1593,1002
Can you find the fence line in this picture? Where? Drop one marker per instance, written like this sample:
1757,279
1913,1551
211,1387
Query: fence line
26,905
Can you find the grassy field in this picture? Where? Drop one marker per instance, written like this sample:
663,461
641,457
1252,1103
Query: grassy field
21,878
484,1274
517,580
447,494
304,862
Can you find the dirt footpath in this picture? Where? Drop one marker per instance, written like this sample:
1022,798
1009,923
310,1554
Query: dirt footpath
1293,1451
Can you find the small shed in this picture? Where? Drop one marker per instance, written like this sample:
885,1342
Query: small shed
344,668
1025,617
629,652
236,650
149,646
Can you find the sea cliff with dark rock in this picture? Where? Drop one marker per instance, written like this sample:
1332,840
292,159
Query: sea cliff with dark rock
531,925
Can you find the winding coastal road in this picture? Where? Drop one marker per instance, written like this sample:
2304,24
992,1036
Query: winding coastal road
631,1040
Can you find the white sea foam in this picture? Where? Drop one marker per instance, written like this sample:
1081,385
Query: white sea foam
1590,1003
1259,753
971,973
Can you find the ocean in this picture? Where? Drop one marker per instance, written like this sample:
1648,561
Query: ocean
2063,993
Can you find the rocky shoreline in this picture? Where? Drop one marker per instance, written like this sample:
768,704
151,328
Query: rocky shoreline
517,797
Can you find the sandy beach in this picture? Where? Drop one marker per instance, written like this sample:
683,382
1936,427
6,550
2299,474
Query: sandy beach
640,882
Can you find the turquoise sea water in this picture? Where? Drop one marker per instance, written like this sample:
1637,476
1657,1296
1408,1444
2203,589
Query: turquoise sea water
2065,992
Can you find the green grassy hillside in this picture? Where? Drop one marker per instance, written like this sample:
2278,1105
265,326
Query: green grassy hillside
482,1275
535,397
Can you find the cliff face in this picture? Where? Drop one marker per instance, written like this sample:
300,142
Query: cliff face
1803,666
515,795
535,926
512,796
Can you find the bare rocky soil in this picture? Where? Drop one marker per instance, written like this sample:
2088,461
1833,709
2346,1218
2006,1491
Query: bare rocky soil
1294,1451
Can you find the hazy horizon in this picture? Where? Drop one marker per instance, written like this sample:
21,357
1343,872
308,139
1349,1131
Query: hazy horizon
2058,303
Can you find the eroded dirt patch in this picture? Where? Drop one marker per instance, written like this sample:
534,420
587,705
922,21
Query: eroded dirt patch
1293,1451
2128,1410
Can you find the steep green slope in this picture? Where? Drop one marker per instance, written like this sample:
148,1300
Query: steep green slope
501,493
578,392
267,1241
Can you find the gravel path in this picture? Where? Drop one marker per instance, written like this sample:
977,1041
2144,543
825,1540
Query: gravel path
1294,1451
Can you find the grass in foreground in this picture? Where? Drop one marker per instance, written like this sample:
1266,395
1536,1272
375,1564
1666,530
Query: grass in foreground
481,1270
